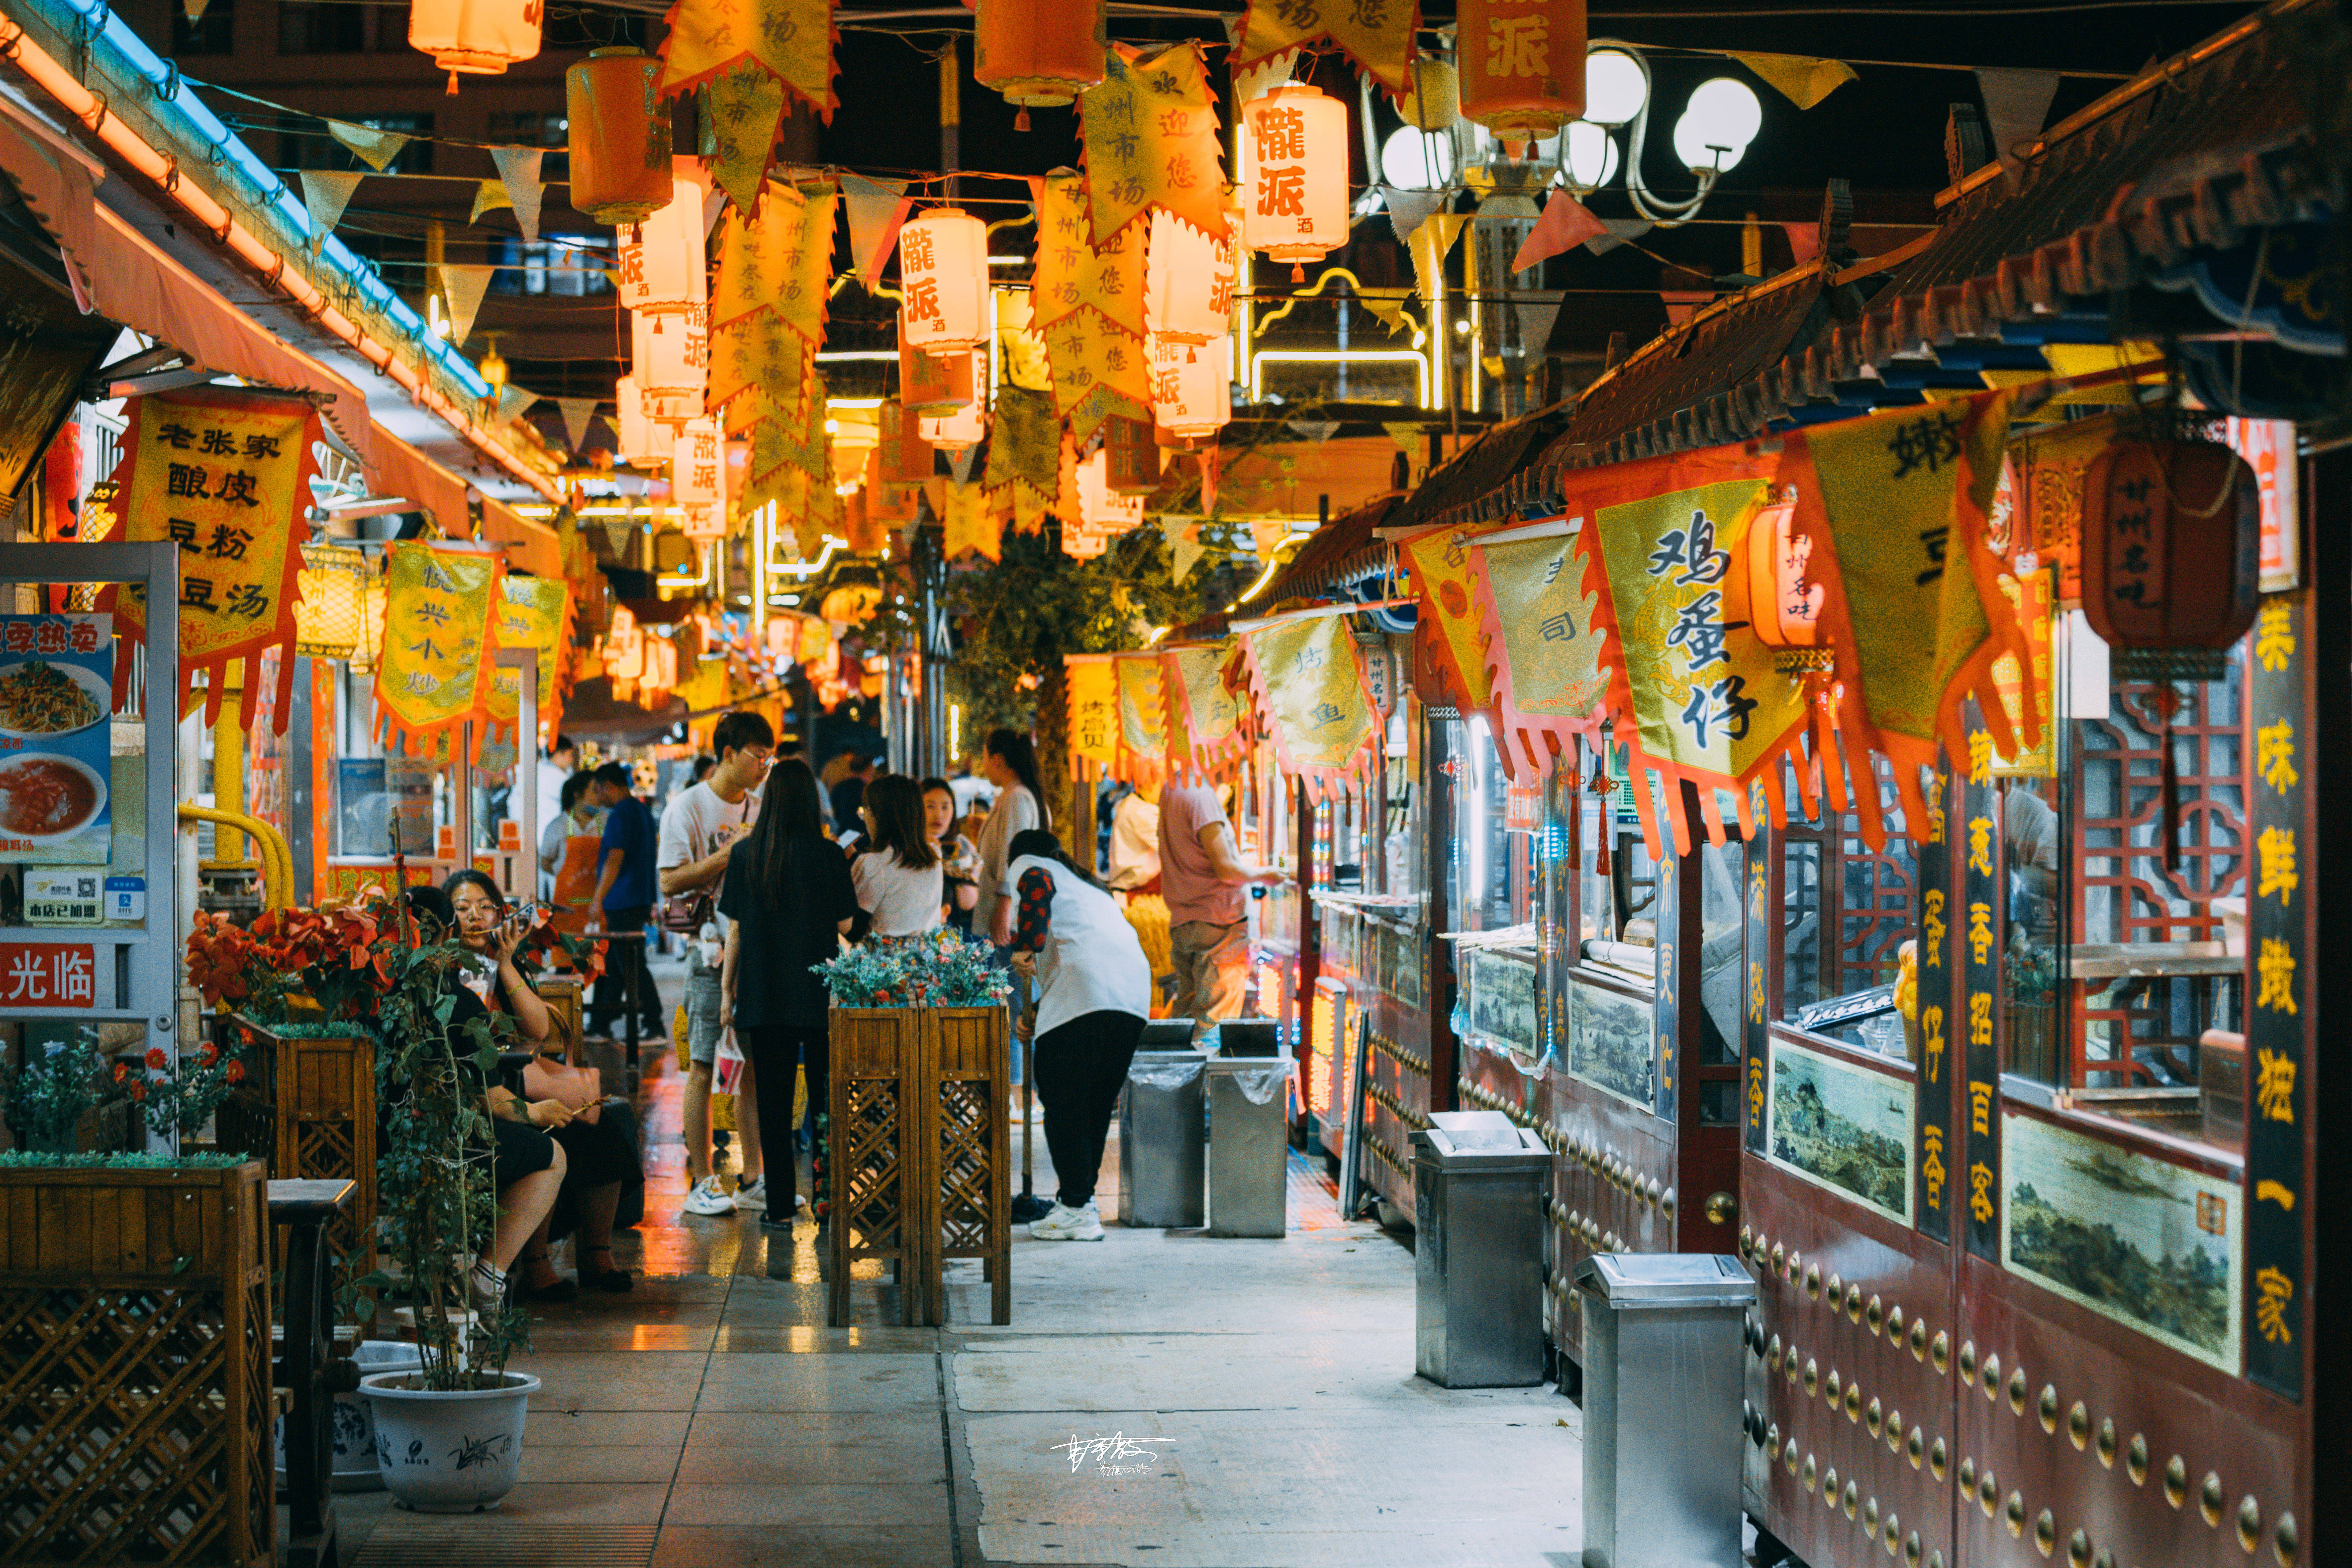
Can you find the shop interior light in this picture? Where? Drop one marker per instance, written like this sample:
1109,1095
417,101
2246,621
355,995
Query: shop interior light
1616,86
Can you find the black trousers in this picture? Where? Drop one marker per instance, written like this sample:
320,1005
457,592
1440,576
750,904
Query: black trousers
610,996
773,1051
1081,1065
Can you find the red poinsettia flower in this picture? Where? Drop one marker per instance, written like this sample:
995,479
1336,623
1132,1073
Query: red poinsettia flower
157,1060
207,1054
235,1073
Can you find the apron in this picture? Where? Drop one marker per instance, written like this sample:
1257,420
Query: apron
576,882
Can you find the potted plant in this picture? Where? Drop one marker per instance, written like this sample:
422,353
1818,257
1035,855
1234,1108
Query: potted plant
448,1435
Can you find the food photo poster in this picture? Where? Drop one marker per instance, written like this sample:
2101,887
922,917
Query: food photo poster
56,683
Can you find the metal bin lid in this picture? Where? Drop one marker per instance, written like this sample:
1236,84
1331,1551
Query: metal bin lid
1480,1141
1166,1069
1634,1280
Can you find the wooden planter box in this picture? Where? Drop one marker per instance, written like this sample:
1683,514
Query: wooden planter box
325,1094
134,1367
918,1139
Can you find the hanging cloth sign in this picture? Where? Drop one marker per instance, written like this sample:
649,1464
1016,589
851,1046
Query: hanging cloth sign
1696,697
751,57
1099,371
1150,135
778,259
533,612
226,476
1092,703
1025,444
1204,722
1307,678
434,674
1544,652
1073,273
1378,36
1142,710
971,523
1451,634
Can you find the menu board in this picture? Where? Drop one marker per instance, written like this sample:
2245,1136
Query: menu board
57,685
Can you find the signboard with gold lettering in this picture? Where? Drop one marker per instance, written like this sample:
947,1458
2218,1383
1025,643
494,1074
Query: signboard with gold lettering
1933,1149
1755,988
1980,916
1093,700
434,674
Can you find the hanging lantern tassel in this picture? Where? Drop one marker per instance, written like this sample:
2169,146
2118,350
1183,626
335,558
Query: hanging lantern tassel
1021,120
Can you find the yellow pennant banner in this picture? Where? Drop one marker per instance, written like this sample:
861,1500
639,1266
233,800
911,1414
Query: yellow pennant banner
1142,710
1073,273
1204,720
434,674
1150,135
226,476
751,56
533,612
1377,34
1099,371
972,523
778,259
1308,678
1025,444
1093,705
1545,651
761,371
1451,635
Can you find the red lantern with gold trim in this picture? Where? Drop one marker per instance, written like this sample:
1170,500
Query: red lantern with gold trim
1040,54
619,136
1132,462
1522,65
2171,548
1784,596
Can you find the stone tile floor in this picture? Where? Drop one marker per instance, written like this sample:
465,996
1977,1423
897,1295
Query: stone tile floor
1232,1403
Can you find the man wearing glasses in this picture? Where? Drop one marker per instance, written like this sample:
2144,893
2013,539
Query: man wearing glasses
702,823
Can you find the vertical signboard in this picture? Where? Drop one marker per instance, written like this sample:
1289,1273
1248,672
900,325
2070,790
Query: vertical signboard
1666,910
1756,1023
1932,1145
2277,924
1979,918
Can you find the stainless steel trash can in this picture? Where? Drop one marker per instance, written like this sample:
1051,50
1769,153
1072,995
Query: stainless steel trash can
1168,1035
1662,1391
1249,1145
1478,1194
1160,1140
1248,1038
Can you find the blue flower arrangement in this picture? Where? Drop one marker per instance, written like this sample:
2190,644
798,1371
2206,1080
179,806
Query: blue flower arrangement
938,969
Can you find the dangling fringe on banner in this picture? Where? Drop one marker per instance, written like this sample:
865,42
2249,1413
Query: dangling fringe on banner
438,644
1206,738
1142,710
1306,682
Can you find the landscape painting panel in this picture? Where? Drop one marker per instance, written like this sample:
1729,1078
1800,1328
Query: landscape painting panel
2147,1243
1503,1002
1842,1126
1609,1043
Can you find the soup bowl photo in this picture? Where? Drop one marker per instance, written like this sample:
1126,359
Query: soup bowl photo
47,798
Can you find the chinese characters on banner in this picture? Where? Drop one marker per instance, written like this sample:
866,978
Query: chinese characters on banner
2278,944
1544,652
226,476
1933,1150
752,56
1450,638
1204,722
1151,134
698,478
434,674
1979,917
57,680
533,612
48,974
1306,677
1756,1018
1375,33
1093,707
1074,272
1142,708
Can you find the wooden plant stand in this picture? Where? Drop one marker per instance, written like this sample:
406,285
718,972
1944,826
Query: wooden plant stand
919,1142
326,1128
135,1367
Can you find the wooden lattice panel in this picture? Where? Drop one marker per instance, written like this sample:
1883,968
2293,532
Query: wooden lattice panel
134,1367
326,1127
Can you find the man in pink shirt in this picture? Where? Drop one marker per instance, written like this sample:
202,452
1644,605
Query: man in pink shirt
1203,876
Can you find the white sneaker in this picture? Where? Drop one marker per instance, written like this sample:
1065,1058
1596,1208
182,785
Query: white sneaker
752,1194
708,1197
1064,1224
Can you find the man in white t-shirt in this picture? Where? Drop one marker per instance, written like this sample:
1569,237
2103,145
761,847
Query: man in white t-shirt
701,824
555,768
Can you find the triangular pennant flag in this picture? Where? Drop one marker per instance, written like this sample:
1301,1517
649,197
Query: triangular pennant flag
463,284
577,412
1183,545
877,208
1537,314
1566,224
489,196
1621,231
325,194
1408,208
1315,430
1432,242
1804,239
518,172
1410,439
1803,80
1267,537
2017,105
513,400
747,111
1256,79
194,9
617,531
1212,467
375,148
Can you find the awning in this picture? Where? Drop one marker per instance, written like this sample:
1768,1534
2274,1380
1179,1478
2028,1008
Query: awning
118,273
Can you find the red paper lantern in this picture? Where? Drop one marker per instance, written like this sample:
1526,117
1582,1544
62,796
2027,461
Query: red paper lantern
1295,174
620,136
1040,54
2171,548
1132,455
479,37
905,456
1784,595
1522,64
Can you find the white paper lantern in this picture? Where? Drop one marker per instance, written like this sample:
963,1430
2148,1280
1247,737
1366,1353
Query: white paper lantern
958,432
670,354
663,259
696,467
1191,390
1295,155
478,37
943,280
1102,509
1189,281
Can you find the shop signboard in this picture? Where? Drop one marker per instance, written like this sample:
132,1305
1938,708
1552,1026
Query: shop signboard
56,683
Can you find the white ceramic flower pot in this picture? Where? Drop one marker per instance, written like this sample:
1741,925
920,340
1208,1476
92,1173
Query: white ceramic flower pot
458,1451
354,1460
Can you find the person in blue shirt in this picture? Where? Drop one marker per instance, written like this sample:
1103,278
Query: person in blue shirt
623,901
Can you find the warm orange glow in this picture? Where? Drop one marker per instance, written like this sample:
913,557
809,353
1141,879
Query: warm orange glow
671,354
1191,392
943,280
664,259
1040,54
1295,173
1522,64
478,37
620,140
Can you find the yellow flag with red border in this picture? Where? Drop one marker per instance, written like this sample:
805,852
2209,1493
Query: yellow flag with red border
1093,707
533,612
1150,135
434,674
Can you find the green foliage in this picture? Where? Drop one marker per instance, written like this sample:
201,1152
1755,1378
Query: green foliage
46,1097
939,970
17,1159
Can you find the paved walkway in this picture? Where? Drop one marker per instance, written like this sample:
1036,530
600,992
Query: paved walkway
1232,1405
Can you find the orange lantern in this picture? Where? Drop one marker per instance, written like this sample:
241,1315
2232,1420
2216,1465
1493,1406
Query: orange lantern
1133,456
936,383
696,470
958,432
664,259
943,280
1040,54
624,646
670,354
1102,509
1191,390
2171,549
1522,65
1784,596
1189,281
905,458
619,136
476,37
1295,195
